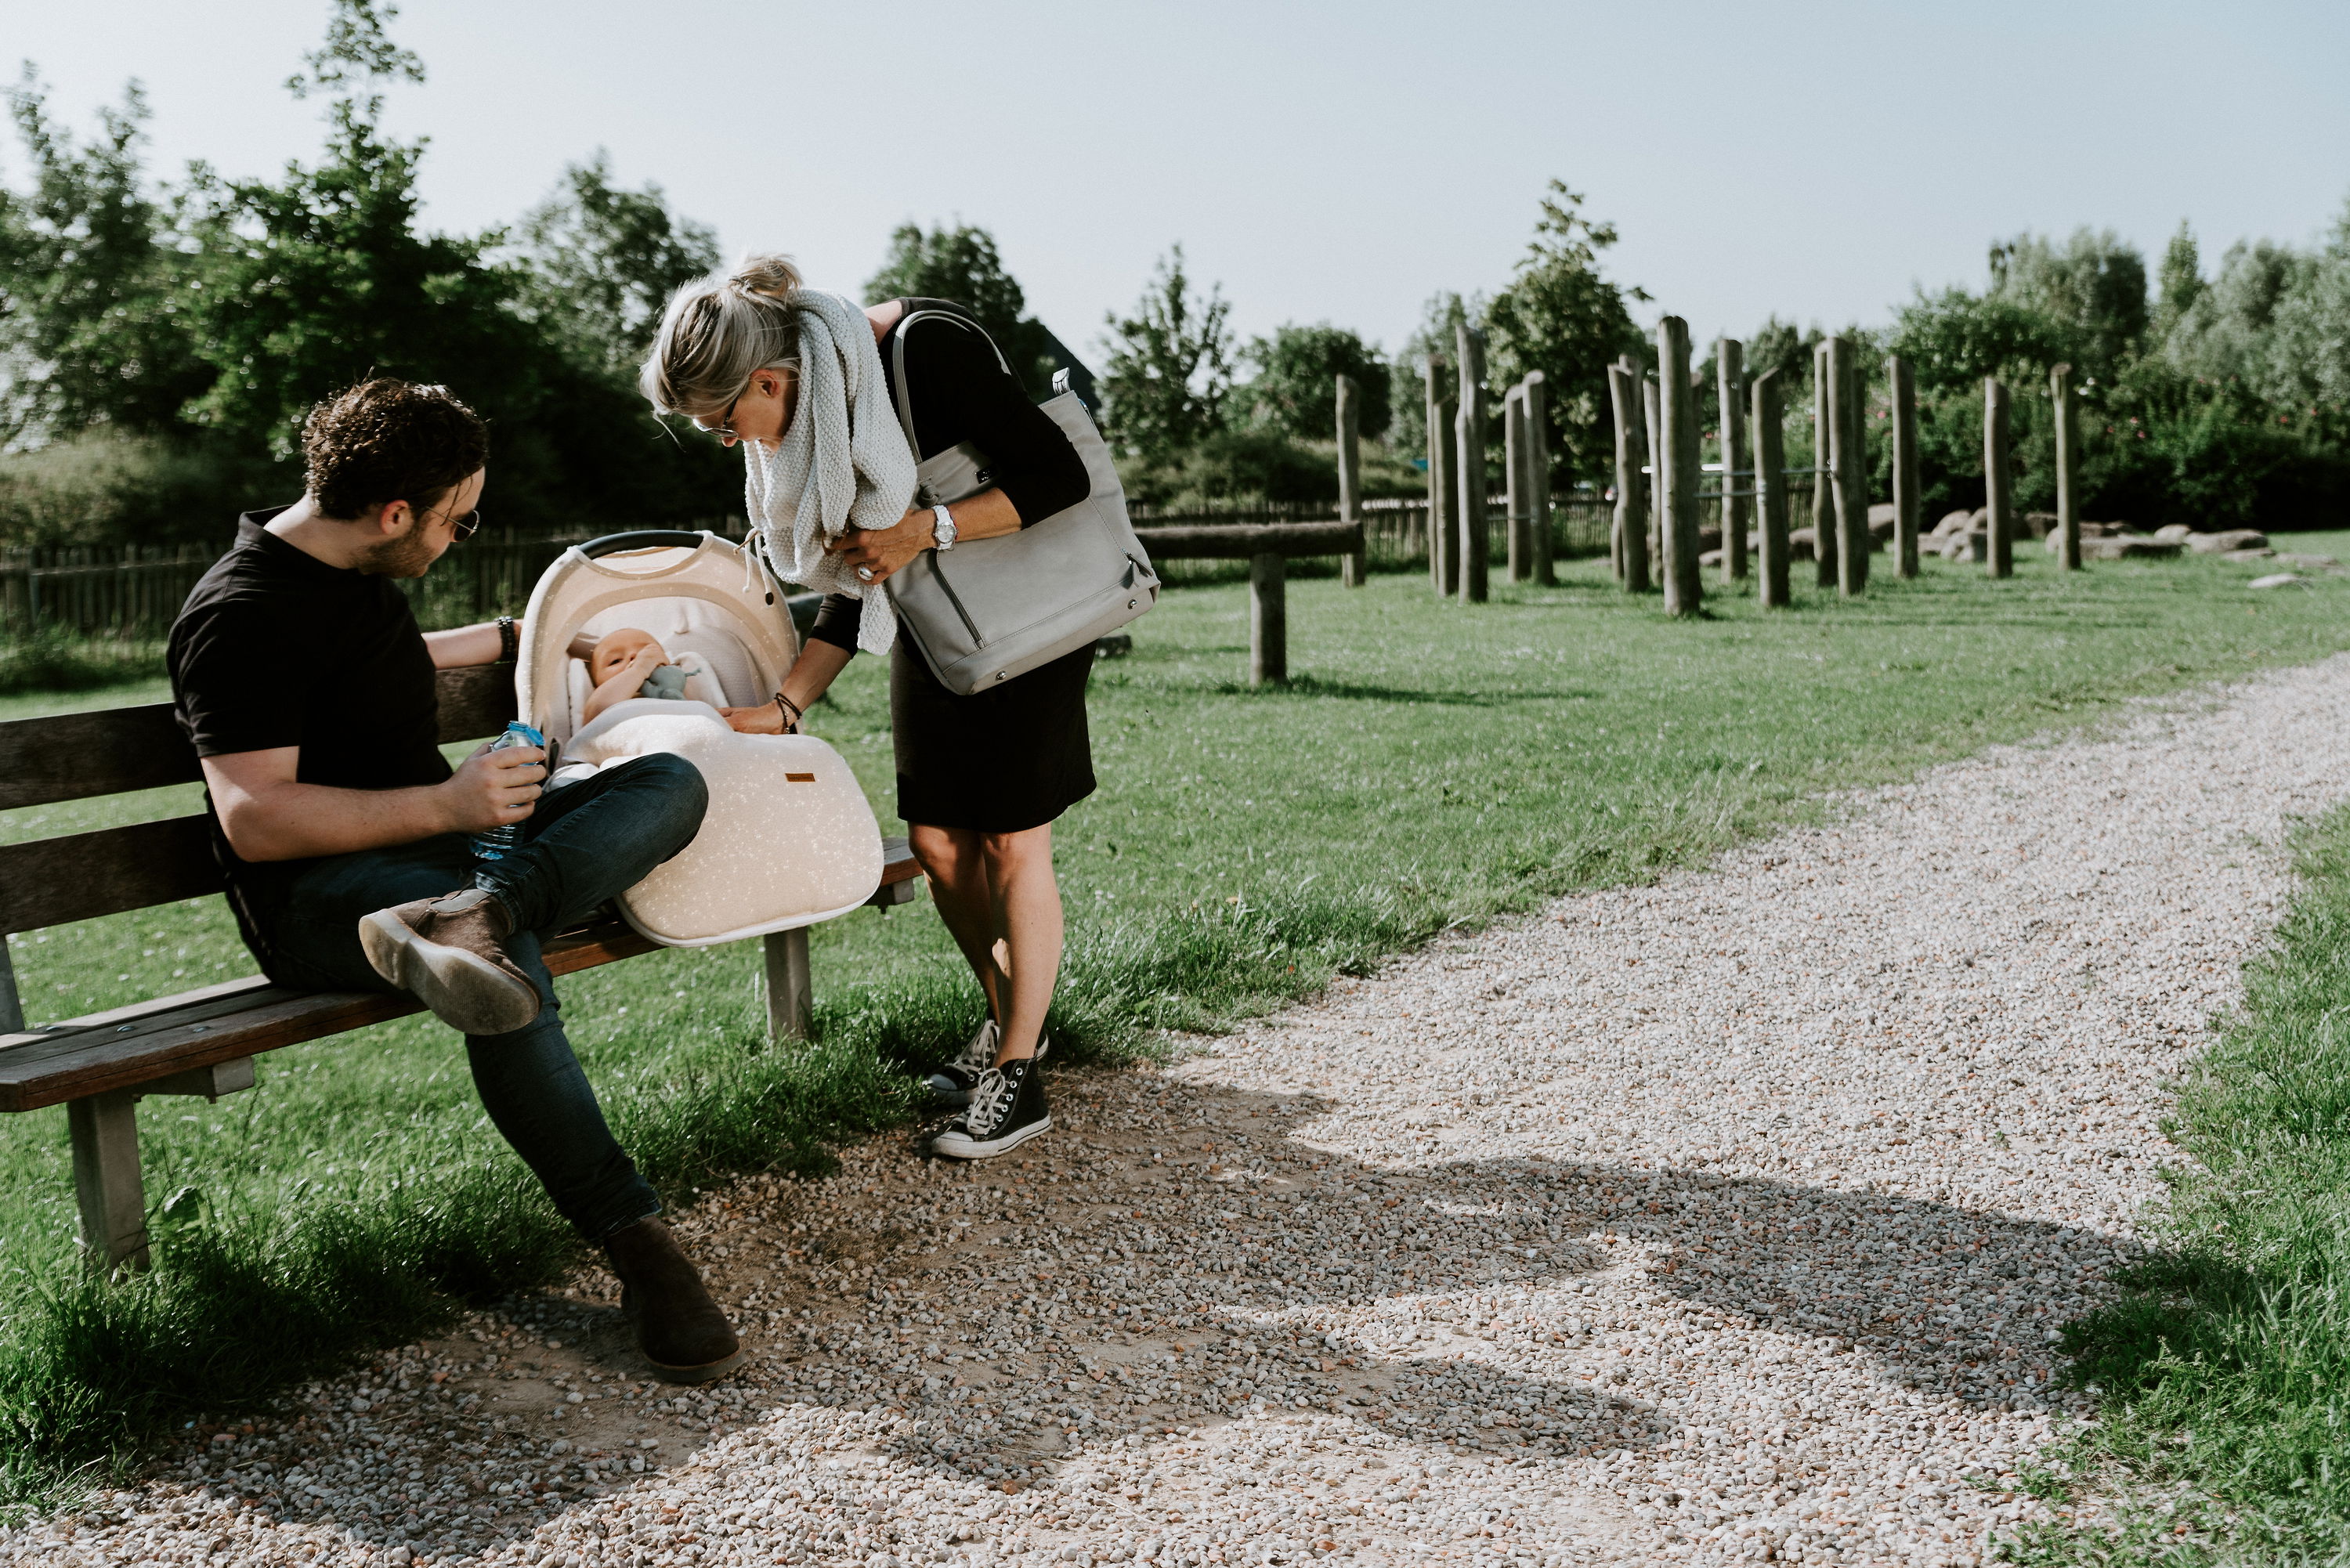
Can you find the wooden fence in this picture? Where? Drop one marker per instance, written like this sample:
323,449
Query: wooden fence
131,593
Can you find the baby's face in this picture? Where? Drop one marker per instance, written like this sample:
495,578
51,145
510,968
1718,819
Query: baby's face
615,649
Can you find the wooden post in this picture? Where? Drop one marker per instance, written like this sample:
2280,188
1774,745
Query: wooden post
1825,552
1442,572
1268,620
791,986
1737,509
1902,388
1519,502
1855,456
1999,504
1850,493
1677,422
1355,566
1469,478
1630,531
1538,475
1660,551
107,1190
1770,492
2068,469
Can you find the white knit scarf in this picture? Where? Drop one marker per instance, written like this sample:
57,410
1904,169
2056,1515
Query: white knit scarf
842,464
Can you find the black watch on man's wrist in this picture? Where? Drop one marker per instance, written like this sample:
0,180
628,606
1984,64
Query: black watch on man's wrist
509,641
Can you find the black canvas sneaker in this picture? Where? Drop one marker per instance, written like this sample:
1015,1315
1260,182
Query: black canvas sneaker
953,1084
1007,1109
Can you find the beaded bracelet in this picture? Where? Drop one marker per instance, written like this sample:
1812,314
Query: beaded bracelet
509,641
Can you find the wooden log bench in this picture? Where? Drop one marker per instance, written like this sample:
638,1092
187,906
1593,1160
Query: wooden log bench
1268,548
203,1042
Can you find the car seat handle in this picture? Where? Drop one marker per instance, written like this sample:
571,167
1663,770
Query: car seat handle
642,539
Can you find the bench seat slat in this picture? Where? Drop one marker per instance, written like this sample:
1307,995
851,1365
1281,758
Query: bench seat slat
124,1047
129,1046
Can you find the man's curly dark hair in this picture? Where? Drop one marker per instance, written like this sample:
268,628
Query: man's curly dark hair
387,439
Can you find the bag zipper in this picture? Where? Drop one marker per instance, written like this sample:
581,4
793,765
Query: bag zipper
956,599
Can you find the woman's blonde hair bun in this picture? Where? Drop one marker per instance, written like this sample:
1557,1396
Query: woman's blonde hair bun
719,331
771,274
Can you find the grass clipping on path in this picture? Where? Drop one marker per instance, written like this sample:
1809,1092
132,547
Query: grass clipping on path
1432,764
2227,1366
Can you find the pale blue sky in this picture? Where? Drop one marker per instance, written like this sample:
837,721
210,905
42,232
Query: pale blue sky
1340,161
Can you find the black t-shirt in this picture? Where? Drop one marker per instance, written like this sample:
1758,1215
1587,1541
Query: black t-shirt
960,393
275,648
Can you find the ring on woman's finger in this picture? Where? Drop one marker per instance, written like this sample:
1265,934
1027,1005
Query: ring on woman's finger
864,574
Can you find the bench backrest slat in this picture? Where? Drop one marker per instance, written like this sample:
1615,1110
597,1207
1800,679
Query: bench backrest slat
76,756
79,877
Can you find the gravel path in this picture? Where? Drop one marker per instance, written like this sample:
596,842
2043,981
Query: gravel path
1724,1220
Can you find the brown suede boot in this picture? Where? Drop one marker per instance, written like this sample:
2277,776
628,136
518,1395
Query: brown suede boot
450,954
680,1330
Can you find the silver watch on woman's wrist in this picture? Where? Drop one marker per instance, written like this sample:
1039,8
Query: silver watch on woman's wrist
943,527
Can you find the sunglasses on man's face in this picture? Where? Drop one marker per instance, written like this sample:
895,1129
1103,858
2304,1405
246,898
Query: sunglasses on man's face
464,526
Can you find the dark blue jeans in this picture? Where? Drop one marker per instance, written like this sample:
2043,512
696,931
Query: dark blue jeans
585,842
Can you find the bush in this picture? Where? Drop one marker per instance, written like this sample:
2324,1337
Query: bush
1233,465
107,487
50,660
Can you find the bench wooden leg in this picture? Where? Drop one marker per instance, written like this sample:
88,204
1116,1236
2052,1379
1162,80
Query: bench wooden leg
11,1010
107,1185
1268,620
791,988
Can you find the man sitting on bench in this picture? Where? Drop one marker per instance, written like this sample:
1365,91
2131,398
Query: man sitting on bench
306,690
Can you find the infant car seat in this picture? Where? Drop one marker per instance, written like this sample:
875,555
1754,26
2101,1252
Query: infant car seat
789,839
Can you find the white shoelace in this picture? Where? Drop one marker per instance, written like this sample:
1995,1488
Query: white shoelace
989,1103
979,1052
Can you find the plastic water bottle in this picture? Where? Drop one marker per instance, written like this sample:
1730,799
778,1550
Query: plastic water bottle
495,843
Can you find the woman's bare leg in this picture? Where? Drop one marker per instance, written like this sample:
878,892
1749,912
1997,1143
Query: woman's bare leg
957,866
1028,916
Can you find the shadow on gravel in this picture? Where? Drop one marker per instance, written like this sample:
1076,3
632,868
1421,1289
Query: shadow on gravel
1319,1260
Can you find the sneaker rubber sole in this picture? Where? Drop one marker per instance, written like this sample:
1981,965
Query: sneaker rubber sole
464,991
954,1146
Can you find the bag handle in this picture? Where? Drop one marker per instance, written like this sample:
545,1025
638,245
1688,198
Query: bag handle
898,362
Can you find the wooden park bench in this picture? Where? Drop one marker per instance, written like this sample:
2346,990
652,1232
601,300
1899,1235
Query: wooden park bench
203,1042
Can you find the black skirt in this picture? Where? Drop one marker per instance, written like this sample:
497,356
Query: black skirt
1003,760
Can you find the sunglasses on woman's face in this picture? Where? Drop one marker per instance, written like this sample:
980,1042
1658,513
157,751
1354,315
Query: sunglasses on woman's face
724,429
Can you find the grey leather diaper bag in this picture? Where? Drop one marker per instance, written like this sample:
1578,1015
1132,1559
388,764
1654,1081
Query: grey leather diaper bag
990,610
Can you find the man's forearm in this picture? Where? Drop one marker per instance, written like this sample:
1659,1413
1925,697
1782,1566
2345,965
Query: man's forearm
298,821
465,646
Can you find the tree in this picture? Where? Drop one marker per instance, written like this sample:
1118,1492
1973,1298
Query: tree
1171,366
1295,389
963,265
1561,317
2094,286
603,263
322,279
1953,340
92,291
2182,283
1437,332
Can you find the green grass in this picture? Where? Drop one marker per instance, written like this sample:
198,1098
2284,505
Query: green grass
1431,764
2226,1367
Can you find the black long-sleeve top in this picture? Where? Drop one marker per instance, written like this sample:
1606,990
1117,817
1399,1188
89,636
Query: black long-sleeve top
960,393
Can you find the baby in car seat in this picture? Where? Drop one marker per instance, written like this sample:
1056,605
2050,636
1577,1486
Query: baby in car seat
631,663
